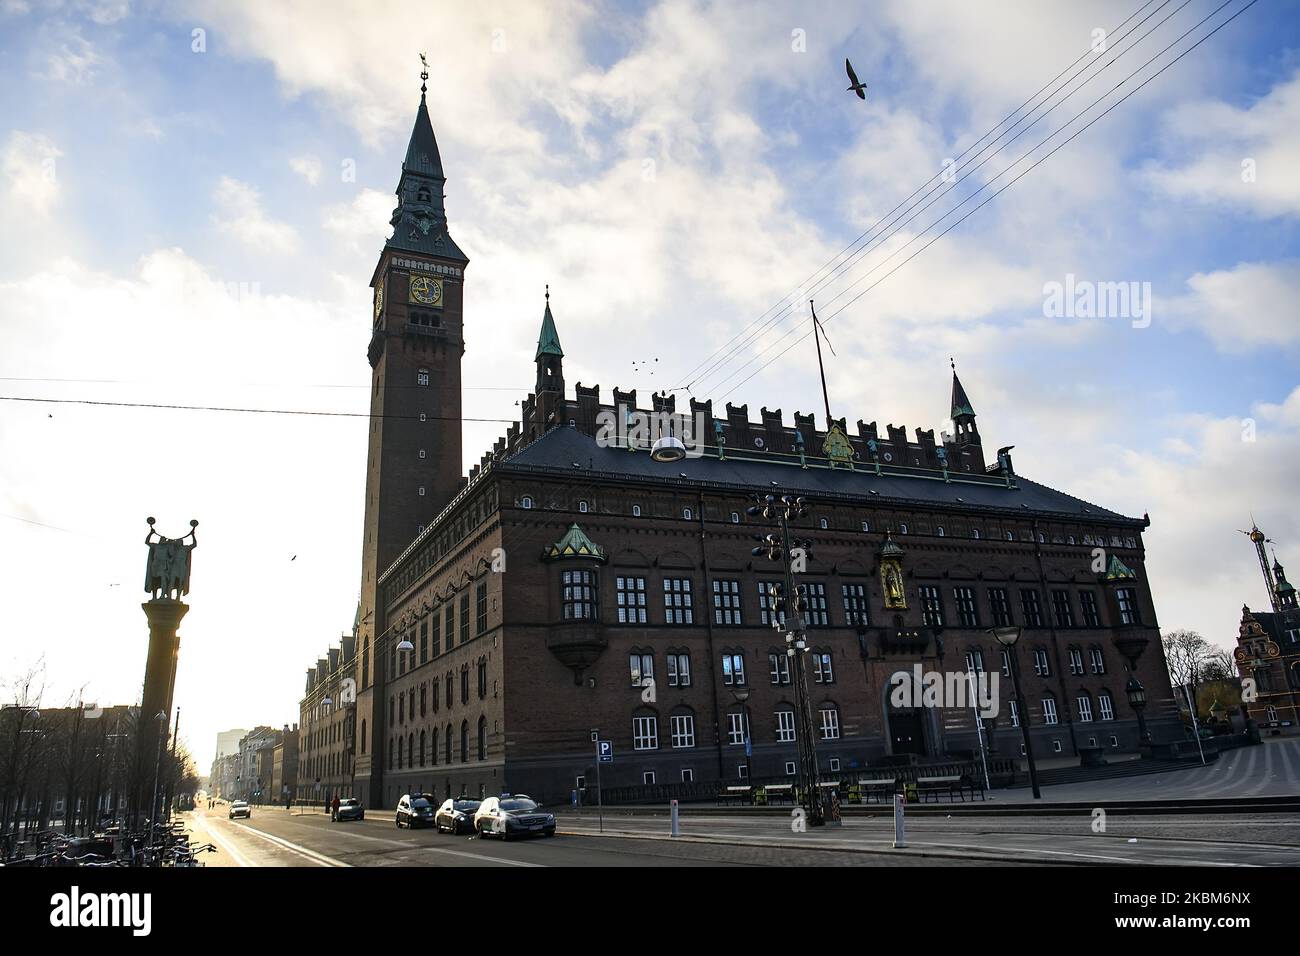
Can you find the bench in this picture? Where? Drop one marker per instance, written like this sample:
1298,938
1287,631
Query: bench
778,792
933,786
740,794
879,786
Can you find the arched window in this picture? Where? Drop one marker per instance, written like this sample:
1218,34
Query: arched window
902,528
636,511
735,517
687,514
583,506
939,531
464,741
824,524
482,738
975,533
525,502
866,526
410,750
422,195
1010,536
422,377
390,753
433,746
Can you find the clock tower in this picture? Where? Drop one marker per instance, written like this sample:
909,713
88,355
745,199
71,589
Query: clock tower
413,466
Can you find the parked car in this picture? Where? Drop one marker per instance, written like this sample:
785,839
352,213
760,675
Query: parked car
414,811
349,809
240,808
512,815
456,816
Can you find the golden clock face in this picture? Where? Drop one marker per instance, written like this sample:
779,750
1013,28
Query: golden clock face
426,291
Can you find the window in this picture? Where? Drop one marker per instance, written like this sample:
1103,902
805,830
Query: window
975,661
1029,603
1088,603
1270,713
1056,745
856,613
784,726
1085,708
830,717
688,775
726,602
482,738
422,456
1114,741
449,629
642,668
687,514
578,594
648,778
835,764
526,502
1061,608
1105,705
789,764
1014,711
464,617
435,633
482,678
480,600
823,673
902,528
815,611
446,753
733,669
1000,607
1128,609
967,614
779,664
736,729
631,600
765,613
677,601
464,683
931,606
823,524
422,746
583,506
645,733
636,511
424,640
422,377
866,526
1049,710
1076,660
449,682
464,741
683,731
1042,666
1006,662
975,533
735,517
679,669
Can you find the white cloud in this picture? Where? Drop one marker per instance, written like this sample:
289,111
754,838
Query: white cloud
30,165
74,62
239,213
308,167
362,223
1239,156
1252,305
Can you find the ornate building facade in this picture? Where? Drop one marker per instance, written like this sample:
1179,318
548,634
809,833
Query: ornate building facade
1268,651
572,583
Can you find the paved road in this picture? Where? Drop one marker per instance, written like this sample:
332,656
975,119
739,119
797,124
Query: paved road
275,838
1271,769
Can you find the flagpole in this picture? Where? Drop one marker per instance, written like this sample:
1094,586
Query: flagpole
820,367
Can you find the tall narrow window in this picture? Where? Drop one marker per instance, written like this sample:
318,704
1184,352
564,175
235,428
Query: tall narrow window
480,615
733,669
815,612
931,606
449,629
1061,608
678,608
779,664
1049,710
1000,607
631,599
765,612
856,612
1097,659
683,731
830,720
1085,708
679,669
579,595
641,668
726,602
435,632
1042,665
1088,603
1029,603
967,614
823,672
1076,660
784,726
645,733
482,738
464,616
1128,609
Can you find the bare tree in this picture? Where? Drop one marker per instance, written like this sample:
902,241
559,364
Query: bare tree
23,745
1191,660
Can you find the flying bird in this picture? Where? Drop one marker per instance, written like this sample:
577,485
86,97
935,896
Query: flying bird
857,87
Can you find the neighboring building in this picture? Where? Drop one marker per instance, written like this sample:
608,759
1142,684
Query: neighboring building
225,778
1268,650
623,571
284,769
256,749
227,744
327,715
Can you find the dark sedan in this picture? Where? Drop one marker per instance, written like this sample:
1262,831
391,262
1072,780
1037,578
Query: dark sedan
414,811
512,816
349,809
456,816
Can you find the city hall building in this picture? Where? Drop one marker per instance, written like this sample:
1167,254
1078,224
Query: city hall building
572,584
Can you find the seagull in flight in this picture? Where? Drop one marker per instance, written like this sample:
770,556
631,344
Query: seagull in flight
857,87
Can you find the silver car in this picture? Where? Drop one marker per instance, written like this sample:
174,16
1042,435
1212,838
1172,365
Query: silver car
240,808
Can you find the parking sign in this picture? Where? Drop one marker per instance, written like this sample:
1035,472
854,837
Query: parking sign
606,750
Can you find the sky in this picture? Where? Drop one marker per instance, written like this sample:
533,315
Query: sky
193,196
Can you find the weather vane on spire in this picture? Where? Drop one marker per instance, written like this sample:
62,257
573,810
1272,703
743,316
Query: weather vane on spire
424,73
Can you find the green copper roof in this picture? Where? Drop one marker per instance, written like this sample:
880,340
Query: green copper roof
960,403
420,220
1117,570
548,343
575,544
890,549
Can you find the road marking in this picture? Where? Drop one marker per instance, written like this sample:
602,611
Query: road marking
312,855
435,849
212,834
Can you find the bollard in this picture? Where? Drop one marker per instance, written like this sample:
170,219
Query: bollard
676,825
900,838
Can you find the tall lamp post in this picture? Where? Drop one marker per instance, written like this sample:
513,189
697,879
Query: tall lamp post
742,698
1007,637
779,548
1137,699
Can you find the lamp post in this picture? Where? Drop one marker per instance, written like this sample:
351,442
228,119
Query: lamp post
774,548
1007,637
1137,699
742,698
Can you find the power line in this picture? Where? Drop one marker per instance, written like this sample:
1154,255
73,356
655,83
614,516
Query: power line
255,411
1020,176
897,226
388,385
832,261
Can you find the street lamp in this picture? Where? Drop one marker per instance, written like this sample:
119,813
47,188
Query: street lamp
1007,637
668,448
1137,699
742,698
779,548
